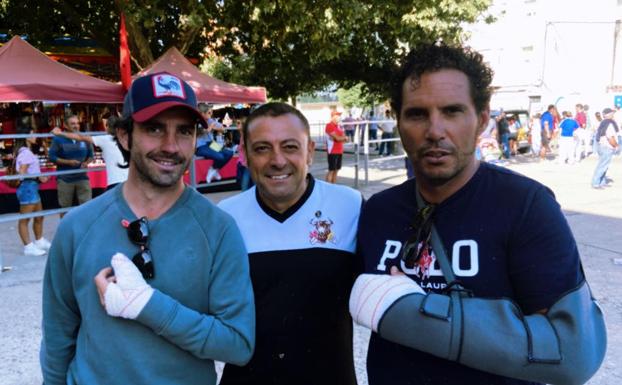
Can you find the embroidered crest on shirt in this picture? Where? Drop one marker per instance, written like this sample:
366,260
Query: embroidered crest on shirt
322,231
424,264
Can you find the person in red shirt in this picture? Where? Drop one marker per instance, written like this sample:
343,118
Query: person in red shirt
334,147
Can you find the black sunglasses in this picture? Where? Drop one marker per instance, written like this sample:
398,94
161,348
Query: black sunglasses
138,232
411,252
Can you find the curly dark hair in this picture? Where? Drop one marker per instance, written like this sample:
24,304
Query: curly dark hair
439,56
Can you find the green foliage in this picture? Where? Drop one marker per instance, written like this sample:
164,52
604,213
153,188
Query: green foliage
291,47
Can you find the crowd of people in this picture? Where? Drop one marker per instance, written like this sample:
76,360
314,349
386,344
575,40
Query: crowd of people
270,281
566,138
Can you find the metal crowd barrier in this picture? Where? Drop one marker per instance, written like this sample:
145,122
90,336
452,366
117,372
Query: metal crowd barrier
358,146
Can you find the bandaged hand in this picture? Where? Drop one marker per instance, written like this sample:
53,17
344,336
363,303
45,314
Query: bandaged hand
373,294
128,293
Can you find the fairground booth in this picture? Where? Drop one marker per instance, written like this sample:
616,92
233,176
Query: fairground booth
38,92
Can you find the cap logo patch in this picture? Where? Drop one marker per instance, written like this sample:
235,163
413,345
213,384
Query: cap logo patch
168,85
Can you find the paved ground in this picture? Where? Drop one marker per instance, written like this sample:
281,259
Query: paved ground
595,217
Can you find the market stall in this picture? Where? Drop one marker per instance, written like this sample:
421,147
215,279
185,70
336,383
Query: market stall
207,88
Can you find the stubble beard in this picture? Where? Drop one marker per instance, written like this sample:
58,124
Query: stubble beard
151,176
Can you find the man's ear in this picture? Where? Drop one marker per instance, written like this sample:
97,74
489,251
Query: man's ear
310,152
123,138
483,118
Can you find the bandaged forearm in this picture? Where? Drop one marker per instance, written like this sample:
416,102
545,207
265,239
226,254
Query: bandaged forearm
556,348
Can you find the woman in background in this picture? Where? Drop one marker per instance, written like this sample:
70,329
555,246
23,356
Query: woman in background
27,163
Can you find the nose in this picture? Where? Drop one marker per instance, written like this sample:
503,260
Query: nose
278,159
436,127
169,142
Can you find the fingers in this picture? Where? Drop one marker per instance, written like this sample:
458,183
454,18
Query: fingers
102,280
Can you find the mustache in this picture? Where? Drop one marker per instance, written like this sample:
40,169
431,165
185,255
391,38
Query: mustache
436,146
162,155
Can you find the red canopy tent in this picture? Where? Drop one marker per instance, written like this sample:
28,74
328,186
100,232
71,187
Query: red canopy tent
207,88
27,75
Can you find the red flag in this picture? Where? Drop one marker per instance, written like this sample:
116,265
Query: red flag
124,56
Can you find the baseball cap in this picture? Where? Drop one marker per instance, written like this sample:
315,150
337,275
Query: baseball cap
335,113
608,111
151,94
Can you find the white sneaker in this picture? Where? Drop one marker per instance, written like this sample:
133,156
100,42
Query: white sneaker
30,250
217,176
43,244
211,175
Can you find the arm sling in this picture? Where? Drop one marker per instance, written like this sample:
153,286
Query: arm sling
564,346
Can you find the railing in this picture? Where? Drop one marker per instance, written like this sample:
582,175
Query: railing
358,146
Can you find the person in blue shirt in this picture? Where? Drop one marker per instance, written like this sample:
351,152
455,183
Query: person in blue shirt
71,154
567,139
547,124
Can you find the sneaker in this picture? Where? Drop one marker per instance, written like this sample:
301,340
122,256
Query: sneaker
211,175
43,244
30,250
217,176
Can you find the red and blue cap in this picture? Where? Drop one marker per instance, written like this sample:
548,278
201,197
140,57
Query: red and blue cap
152,94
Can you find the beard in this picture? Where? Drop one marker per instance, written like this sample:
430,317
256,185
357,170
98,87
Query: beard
149,173
454,164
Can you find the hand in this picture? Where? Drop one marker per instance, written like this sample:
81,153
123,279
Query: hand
74,162
84,164
57,131
124,294
373,294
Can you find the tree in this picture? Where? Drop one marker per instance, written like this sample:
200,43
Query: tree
153,26
295,47
289,46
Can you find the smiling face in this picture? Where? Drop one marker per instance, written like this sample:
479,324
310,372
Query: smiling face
279,153
439,126
162,148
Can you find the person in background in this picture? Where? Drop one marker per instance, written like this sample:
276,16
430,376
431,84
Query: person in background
335,138
503,130
111,153
547,122
567,141
349,126
70,154
536,136
606,140
28,194
243,175
387,128
373,128
582,135
209,148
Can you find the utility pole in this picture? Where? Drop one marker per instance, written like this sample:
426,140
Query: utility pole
616,33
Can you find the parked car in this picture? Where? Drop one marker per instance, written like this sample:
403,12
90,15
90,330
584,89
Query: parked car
524,135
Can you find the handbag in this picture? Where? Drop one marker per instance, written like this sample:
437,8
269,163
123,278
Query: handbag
564,346
11,171
214,145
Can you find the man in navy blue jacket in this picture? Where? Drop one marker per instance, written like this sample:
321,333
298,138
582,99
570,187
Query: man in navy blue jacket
504,234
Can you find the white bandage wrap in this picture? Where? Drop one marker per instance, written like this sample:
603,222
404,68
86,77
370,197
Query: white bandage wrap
128,296
372,295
